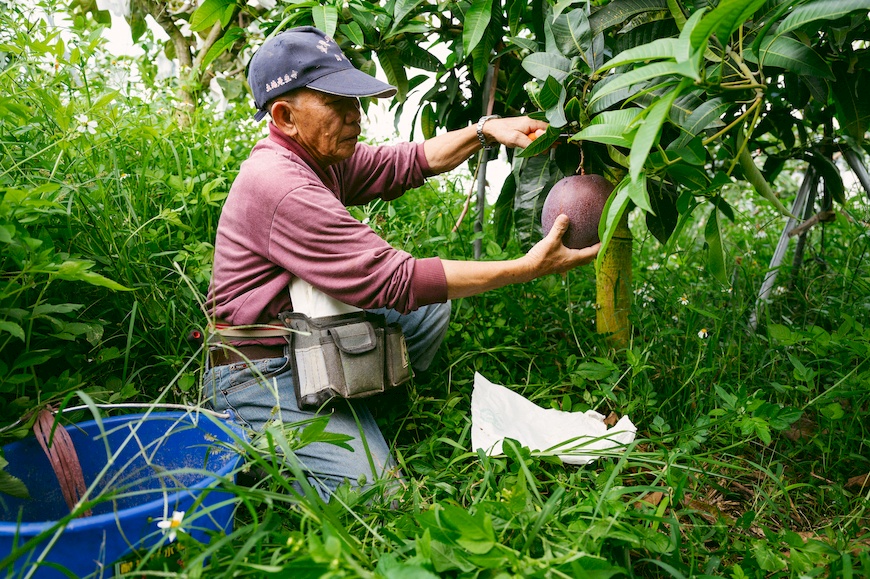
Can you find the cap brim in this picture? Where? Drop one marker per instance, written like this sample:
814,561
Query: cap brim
260,114
353,83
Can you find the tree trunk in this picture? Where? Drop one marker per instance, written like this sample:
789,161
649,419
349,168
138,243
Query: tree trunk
613,285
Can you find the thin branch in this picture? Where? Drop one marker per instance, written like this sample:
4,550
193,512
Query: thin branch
213,35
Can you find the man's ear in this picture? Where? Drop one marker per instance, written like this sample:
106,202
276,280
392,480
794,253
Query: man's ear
282,116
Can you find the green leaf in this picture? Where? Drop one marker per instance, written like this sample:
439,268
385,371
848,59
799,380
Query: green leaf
428,121
613,210
616,13
715,248
853,111
550,93
43,310
614,134
209,12
707,114
648,133
820,10
476,20
11,485
663,218
225,42
391,63
354,33
7,233
790,54
782,334
403,8
723,20
829,172
364,18
638,75
481,56
692,178
12,328
754,176
552,98
639,194
626,117
77,270
659,49
534,176
325,18
677,13
543,65
572,33
833,411
541,144
32,358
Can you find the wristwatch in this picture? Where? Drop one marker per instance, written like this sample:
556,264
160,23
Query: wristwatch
480,137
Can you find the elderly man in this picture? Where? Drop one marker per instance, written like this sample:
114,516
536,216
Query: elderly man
285,219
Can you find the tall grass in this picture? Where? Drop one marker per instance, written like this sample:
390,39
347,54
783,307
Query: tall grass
751,445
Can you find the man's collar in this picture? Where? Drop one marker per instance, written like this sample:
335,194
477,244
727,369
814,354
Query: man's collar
326,176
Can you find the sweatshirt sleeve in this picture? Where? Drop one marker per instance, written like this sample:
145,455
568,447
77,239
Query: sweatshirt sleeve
315,238
385,171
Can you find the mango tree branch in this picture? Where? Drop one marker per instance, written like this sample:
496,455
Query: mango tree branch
213,35
160,12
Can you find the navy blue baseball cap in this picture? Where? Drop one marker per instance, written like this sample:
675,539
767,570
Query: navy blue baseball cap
306,57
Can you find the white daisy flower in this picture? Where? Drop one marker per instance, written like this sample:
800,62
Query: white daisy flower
703,333
86,125
172,526
684,300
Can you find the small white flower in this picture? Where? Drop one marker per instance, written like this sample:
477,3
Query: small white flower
675,318
703,333
684,300
654,266
760,234
779,290
86,125
172,526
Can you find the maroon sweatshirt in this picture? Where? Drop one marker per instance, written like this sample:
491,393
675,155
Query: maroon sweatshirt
285,217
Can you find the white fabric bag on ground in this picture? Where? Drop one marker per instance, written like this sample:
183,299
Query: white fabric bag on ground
498,413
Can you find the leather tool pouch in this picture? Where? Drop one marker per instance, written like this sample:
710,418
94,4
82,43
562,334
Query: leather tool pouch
351,355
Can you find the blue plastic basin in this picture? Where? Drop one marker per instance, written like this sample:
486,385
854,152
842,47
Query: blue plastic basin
158,463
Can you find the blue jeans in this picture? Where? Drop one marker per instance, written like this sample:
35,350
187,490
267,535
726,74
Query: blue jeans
262,391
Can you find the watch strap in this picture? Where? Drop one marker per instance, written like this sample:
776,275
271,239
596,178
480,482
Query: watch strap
480,136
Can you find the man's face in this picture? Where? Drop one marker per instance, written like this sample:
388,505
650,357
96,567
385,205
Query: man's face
327,126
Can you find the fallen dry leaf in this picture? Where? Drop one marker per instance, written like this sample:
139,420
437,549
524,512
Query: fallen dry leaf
653,498
803,428
611,419
860,481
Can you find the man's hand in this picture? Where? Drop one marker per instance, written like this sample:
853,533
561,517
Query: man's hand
551,256
513,131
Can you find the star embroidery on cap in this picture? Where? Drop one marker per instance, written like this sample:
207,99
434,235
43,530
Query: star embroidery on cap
294,74
323,46
280,81
286,78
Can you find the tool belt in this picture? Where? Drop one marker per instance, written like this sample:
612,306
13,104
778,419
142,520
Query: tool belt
352,355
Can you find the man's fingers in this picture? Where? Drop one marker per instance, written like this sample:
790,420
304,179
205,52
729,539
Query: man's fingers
560,226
